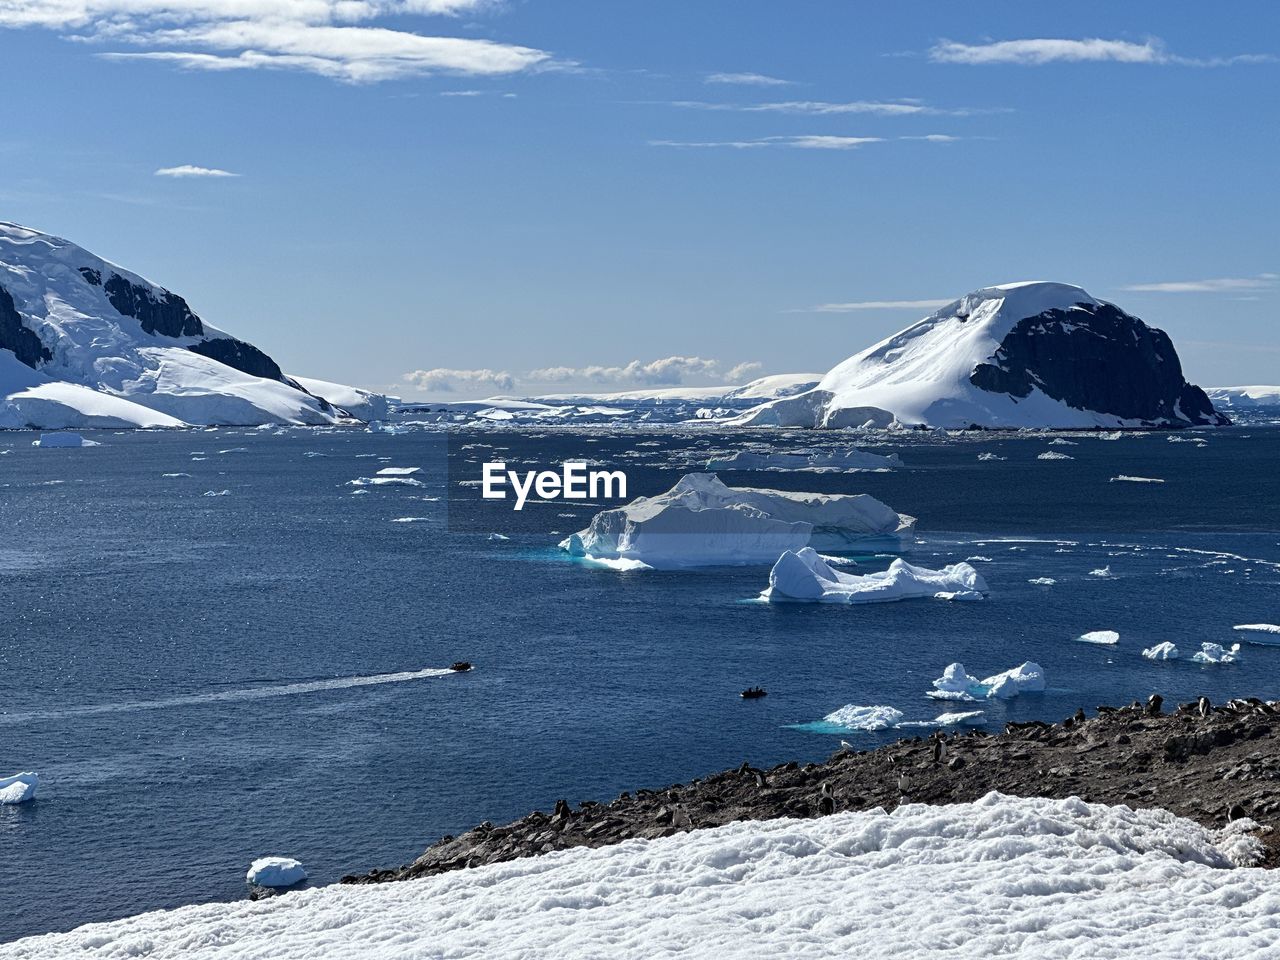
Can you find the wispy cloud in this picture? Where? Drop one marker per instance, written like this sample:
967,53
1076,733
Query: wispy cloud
821,108
1262,281
1039,51
331,38
806,142
447,380
745,371
747,80
190,170
857,305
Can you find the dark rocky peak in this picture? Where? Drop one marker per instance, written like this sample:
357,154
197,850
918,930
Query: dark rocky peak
166,315
16,336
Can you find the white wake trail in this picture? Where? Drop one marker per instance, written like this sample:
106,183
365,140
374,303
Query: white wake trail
226,696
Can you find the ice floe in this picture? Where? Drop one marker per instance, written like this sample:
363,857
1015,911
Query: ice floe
702,522
63,439
1108,637
1263,633
398,471
18,788
803,576
385,482
1054,455
865,718
1042,581
956,683
1125,478
1162,651
275,872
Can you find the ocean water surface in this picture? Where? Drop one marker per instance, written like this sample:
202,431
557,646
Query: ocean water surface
202,678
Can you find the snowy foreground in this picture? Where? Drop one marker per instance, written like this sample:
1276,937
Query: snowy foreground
1000,877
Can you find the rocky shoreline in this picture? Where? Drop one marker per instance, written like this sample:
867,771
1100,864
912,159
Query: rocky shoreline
1208,763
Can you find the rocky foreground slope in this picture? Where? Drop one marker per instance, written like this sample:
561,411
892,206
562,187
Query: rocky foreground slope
1210,767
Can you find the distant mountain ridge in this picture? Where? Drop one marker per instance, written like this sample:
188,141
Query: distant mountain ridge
86,343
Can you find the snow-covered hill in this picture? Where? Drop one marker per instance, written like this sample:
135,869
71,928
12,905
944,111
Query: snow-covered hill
85,343
1244,398
1030,354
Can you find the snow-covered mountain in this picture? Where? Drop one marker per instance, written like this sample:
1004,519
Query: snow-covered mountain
1244,398
85,343
1030,354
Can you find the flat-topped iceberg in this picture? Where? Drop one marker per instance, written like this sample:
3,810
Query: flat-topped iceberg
702,522
19,788
852,460
855,717
275,872
803,575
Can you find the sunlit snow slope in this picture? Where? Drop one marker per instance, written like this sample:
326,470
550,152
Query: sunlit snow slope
1030,354
1000,877
85,343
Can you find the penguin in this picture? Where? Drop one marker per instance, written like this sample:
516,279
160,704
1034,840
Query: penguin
756,773
1236,812
1154,702
680,818
1080,716
939,749
904,784
1204,707
826,800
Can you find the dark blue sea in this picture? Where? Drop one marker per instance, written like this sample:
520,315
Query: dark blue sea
201,680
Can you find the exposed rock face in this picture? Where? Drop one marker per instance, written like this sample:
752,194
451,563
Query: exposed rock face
15,336
245,357
1097,357
1204,767
166,314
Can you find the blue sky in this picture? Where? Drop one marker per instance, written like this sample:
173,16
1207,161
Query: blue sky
563,195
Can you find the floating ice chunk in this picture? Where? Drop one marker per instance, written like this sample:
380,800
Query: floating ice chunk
18,788
1125,478
1114,435
216,493
1217,653
1054,455
385,482
614,563
1102,572
964,718
172,475
398,471
63,439
865,718
1027,677
1263,633
835,461
977,559
235,450
1062,442
702,522
1162,651
1109,637
411,520
1043,581
802,575
377,426
497,536
991,456
955,684
275,872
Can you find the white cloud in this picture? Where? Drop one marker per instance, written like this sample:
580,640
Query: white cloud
1263,281
189,170
1038,51
669,371
818,107
315,36
877,305
744,371
446,380
747,80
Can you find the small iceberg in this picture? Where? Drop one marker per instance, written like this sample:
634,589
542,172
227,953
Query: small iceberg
1054,455
385,482
275,872
956,683
1125,478
496,537
1104,572
398,471
1162,651
804,576
63,439
19,788
987,457
1217,653
865,718
1263,633
216,493
1042,581
1109,637
701,522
